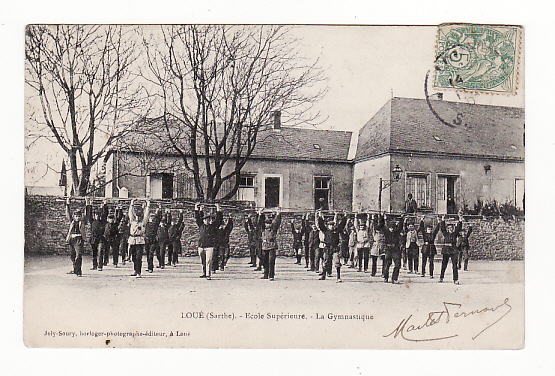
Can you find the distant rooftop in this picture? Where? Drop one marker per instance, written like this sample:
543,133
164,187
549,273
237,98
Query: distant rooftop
285,143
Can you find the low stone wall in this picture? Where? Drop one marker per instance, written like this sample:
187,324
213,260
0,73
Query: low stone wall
46,228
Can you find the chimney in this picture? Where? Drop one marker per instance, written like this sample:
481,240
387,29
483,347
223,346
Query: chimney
277,120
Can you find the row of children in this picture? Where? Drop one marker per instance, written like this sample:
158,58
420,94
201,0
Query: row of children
324,241
113,232
378,237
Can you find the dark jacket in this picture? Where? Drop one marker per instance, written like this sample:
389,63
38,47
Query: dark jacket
224,233
97,225
174,232
297,236
392,238
410,206
208,234
151,228
331,237
429,247
306,230
269,239
314,239
111,229
450,238
251,232
162,234
462,240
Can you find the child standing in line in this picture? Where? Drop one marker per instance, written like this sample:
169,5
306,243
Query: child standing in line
137,226
75,238
97,219
314,244
378,244
251,235
463,245
123,235
364,242
224,249
353,250
174,234
412,250
449,250
151,245
428,248
330,231
162,238
297,241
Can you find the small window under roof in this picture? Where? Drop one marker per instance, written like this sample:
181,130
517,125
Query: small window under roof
437,138
317,147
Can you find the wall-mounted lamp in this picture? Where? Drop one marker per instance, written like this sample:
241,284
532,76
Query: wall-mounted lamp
487,168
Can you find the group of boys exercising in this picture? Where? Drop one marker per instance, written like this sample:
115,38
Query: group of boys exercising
355,239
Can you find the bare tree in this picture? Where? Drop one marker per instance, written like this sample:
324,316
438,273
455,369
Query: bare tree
83,90
217,87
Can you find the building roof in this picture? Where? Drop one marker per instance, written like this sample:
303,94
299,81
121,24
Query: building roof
409,125
286,143
303,143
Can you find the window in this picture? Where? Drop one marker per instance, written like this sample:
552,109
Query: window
322,192
246,188
417,185
519,193
246,181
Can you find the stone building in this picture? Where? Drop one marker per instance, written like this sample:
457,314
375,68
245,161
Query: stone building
448,154
291,167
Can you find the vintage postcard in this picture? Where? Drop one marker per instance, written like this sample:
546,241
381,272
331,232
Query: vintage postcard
274,186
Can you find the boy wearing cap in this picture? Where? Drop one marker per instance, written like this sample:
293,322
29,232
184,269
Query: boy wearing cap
429,247
208,233
314,245
251,235
306,229
463,246
364,242
74,238
174,234
151,231
97,219
109,242
137,227
162,238
123,235
297,241
412,250
269,244
392,236
330,241
450,251
224,250
378,244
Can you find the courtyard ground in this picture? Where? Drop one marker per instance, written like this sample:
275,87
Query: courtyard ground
175,308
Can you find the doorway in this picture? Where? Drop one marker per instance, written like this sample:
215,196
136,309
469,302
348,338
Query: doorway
272,191
161,185
447,194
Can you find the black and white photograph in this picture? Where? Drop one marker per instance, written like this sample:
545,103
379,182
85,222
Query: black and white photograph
269,186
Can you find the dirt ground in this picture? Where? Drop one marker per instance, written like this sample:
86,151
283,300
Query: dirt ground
172,307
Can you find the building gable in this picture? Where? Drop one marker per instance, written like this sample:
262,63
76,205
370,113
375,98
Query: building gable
408,125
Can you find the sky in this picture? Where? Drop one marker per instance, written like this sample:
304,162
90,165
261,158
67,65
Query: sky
365,66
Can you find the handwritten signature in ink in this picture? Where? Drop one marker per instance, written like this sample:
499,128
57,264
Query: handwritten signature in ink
410,331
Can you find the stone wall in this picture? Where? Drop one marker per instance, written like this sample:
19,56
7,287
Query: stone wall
46,228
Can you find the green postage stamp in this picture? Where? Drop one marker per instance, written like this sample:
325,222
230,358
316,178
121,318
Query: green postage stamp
477,57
